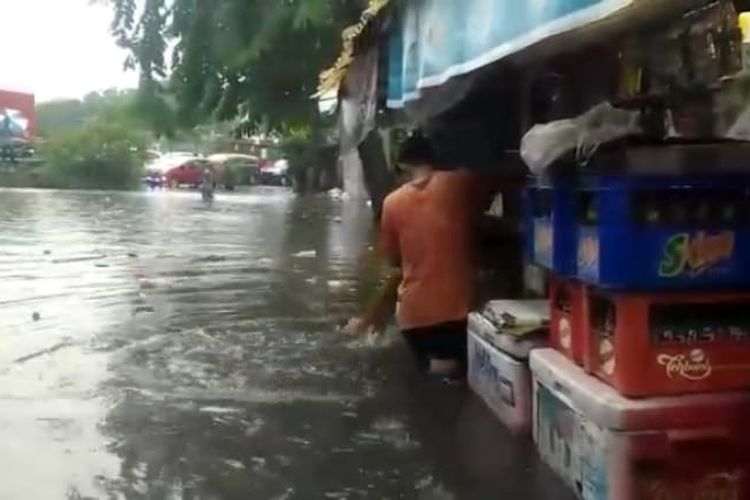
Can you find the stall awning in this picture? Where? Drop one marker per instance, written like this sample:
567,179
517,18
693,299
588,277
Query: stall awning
331,79
435,40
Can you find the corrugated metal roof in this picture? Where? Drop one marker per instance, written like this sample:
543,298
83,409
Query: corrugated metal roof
330,79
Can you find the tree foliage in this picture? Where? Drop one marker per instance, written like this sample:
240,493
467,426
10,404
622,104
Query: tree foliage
99,154
253,59
113,106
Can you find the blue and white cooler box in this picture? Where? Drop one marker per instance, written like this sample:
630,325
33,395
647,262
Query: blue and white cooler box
498,357
608,447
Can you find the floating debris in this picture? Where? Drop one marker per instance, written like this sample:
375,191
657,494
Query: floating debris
146,284
71,260
235,464
306,254
43,352
144,310
210,258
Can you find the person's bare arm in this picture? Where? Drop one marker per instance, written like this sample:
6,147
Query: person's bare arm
381,307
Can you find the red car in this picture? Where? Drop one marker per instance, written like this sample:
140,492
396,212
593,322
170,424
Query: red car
188,173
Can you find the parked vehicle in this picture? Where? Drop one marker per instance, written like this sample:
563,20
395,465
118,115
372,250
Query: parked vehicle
275,173
157,166
155,180
235,169
188,173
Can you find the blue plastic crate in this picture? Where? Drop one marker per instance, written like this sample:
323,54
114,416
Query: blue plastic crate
550,226
664,233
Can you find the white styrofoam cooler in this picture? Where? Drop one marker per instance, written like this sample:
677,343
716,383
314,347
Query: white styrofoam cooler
607,447
533,312
498,372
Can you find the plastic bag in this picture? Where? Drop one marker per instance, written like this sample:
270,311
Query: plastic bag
544,144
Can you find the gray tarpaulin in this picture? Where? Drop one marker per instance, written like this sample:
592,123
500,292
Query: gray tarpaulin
358,109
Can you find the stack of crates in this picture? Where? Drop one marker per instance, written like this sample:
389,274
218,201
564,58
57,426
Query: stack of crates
646,393
550,242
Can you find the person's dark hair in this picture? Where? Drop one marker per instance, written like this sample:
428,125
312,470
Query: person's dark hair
416,150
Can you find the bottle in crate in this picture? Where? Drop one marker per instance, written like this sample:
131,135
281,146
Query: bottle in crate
664,233
651,344
567,298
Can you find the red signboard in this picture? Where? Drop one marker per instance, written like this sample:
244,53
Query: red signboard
17,114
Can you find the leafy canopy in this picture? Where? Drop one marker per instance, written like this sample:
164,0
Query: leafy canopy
98,154
110,106
254,59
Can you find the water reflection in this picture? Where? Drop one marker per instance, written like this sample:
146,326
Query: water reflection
184,350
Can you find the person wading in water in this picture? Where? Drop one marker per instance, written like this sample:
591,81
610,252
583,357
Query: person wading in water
427,229
208,185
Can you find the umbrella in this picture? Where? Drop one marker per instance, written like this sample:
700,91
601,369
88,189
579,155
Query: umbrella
12,123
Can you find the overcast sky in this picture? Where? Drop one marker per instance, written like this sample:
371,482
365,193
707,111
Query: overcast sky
59,48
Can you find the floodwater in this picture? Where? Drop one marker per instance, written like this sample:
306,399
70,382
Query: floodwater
154,347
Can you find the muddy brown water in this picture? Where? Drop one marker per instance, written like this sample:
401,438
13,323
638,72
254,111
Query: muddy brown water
156,347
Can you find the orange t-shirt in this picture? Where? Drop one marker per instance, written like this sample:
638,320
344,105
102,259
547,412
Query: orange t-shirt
428,227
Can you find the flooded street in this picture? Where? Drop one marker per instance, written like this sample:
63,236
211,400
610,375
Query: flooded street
155,347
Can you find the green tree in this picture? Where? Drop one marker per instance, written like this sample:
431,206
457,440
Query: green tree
111,106
254,59
57,116
97,155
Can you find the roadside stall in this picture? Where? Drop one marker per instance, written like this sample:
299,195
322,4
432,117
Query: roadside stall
633,118
641,220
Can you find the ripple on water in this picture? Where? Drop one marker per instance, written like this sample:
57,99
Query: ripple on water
188,351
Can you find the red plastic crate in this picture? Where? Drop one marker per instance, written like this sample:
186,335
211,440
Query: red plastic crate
567,314
668,344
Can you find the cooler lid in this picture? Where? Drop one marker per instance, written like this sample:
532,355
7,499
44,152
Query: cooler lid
604,406
517,314
513,344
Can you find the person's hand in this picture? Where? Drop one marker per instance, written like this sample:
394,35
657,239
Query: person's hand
356,326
